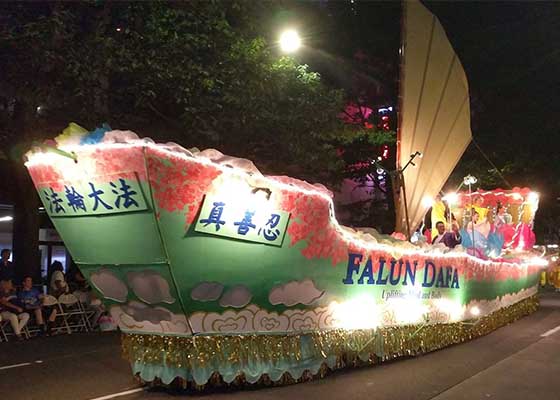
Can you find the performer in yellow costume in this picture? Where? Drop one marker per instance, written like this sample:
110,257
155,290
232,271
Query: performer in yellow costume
482,211
438,214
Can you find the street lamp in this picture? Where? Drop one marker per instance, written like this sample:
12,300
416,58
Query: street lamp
290,41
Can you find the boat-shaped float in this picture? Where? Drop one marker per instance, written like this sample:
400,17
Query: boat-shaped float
216,273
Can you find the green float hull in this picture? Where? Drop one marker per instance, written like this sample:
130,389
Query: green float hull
156,257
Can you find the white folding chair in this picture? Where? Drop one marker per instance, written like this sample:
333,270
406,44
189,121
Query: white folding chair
84,303
72,313
25,330
51,301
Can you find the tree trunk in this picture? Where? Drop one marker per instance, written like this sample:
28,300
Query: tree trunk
25,240
26,225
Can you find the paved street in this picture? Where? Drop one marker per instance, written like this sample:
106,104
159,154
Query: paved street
515,362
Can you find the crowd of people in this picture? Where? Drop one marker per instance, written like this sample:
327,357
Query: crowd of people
26,302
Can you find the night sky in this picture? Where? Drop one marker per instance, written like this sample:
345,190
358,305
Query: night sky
511,57
509,51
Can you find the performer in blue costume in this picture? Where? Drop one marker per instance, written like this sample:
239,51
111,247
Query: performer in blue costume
477,231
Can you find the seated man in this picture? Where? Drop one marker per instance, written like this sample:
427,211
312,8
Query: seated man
449,239
9,310
31,300
453,238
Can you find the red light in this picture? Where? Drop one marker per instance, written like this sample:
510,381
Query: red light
385,118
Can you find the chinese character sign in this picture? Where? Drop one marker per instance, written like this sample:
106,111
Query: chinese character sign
251,224
117,194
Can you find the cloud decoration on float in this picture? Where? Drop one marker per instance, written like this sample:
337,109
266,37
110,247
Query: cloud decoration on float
110,285
207,291
295,292
237,296
141,312
150,287
136,316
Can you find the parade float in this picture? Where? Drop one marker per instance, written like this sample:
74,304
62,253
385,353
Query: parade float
217,274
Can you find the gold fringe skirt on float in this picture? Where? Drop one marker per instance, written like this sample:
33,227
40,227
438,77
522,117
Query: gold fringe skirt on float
350,348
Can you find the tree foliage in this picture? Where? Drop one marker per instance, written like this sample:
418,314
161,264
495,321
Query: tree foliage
199,73
371,174
191,72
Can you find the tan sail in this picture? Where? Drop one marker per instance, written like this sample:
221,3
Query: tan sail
435,111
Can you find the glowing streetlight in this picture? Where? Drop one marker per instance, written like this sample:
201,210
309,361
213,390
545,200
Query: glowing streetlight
290,41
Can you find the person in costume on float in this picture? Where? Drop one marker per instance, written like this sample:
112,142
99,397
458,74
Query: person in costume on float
503,218
426,228
479,232
524,237
480,209
502,232
439,212
479,224
450,239
440,227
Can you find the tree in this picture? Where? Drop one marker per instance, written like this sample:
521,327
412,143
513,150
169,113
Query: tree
355,46
372,175
193,72
178,71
